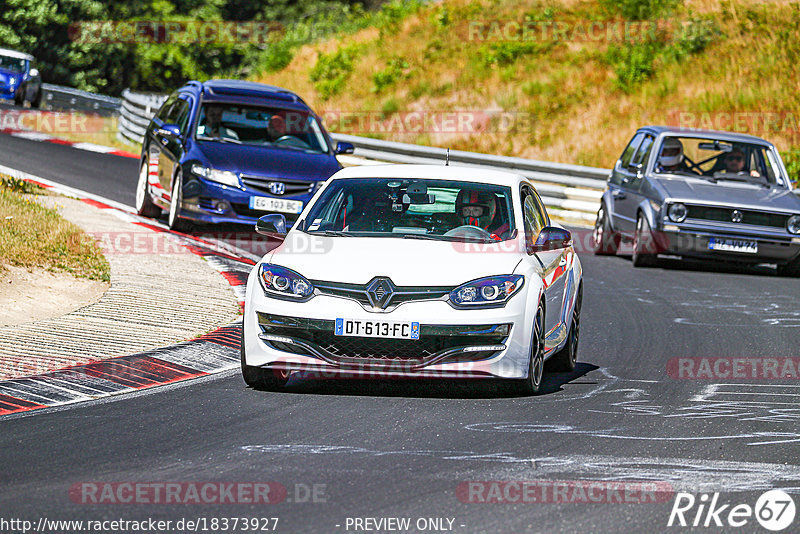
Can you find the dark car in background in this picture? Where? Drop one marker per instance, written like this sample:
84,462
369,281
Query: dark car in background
19,81
700,193
229,151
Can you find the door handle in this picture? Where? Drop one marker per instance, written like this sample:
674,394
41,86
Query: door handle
563,261
618,195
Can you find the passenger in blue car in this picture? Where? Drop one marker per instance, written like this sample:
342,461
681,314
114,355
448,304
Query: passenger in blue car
213,126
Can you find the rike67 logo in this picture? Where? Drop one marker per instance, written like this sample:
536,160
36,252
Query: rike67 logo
774,510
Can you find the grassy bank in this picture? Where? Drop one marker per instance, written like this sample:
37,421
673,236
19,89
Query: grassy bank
32,235
568,97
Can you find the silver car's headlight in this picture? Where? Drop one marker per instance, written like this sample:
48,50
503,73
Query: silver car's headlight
793,224
215,175
677,212
283,283
490,292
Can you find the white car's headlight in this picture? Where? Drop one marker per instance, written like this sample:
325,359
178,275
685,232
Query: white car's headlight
490,292
284,283
215,175
677,212
793,224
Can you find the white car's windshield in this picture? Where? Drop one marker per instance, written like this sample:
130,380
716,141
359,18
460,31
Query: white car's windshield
250,125
717,160
413,208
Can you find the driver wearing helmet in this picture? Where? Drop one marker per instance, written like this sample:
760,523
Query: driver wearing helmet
479,208
671,158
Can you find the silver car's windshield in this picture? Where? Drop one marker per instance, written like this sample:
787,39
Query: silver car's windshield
250,125
413,209
718,161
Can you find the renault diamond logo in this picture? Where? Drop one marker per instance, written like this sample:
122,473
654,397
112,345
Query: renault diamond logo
379,292
277,188
736,216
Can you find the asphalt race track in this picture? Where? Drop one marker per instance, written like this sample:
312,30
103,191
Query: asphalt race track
406,449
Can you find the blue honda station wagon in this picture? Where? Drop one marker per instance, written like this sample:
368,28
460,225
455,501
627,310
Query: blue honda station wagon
229,151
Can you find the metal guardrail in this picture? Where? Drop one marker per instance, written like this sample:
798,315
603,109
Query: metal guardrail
135,113
60,98
570,191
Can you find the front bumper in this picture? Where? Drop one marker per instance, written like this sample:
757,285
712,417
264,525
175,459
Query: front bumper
694,243
214,203
453,343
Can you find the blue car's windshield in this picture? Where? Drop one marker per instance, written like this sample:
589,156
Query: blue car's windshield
12,64
252,125
413,208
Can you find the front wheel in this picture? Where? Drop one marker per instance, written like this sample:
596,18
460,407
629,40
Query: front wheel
531,384
565,359
644,245
605,241
791,269
175,200
258,378
144,204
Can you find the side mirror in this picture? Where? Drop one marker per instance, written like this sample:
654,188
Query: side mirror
33,73
344,148
169,130
637,168
272,224
551,238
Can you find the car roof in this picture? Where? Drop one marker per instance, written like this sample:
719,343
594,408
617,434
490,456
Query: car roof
15,54
242,92
437,172
677,131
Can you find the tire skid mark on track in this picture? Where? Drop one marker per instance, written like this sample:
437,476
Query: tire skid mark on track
211,353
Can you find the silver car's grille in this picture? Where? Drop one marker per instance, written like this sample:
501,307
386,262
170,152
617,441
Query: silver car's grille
277,186
751,217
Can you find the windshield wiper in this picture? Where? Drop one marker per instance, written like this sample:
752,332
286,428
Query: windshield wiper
330,233
222,139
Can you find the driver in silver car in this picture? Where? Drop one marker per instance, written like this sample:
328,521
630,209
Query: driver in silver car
735,163
479,208
671,158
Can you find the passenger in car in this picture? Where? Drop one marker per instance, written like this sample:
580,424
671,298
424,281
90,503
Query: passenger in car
735,163
213,126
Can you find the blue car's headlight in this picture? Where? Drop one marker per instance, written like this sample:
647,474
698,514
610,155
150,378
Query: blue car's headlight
215,175
490,292
281,282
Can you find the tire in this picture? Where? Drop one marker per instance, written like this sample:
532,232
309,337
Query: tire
643,244
19,97
533,382
37,102
565,359
791,269
258,378
144,204
605,241
175,200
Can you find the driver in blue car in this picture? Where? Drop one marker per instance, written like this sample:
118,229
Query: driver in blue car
478,208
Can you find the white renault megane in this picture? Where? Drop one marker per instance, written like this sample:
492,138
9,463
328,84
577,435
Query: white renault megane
415,271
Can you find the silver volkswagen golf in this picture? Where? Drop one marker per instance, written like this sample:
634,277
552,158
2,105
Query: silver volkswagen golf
700,193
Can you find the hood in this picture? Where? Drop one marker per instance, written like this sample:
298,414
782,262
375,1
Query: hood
6,75
408,262
734,194
268,161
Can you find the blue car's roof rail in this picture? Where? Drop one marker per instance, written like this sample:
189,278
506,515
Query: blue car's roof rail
195,83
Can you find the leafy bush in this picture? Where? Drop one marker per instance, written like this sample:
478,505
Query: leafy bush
396,68
640,9
791,158
331,71
507,52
